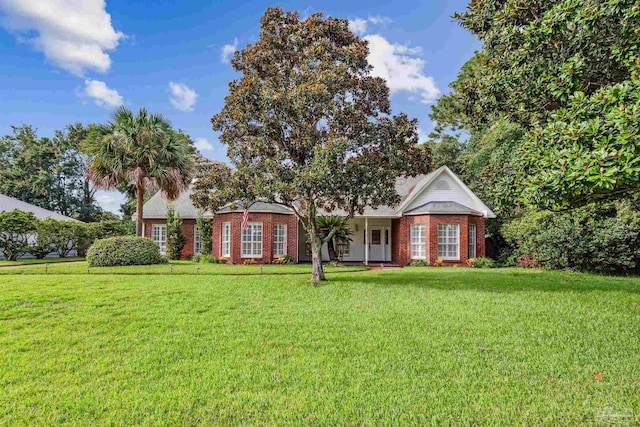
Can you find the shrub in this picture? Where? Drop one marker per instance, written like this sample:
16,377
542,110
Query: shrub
287,259
175,239
249,261
196,258
125,250
204,231
484,262
418,263
471,262
17,231
44,241
596,238
69,236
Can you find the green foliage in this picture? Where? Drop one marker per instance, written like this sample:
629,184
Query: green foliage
418,263
126,250
335,230
48,172
564,75
484,262
137,150
592,238
175,238
204,231
45,238
307,126
69,236
17,230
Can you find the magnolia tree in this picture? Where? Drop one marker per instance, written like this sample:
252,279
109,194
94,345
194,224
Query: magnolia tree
306,126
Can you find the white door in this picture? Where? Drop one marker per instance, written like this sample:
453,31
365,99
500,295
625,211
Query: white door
376,244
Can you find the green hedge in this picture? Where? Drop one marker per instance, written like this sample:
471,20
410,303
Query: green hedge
125,250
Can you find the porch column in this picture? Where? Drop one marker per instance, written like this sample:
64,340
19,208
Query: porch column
366,241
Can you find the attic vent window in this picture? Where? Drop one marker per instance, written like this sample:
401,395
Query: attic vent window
442,185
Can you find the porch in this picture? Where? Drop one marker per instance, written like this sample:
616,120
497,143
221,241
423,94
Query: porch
371,241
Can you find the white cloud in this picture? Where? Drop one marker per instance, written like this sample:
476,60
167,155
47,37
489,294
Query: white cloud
358,25
423,135
398,65
73,34
182,97
102,95
202,144
110,200
228,50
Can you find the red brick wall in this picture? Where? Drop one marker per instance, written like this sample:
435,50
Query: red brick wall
268,221
400,244
188,231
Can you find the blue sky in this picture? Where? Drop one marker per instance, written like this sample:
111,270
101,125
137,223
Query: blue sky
66,61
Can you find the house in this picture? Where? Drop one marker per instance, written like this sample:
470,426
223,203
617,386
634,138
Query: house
8,203
438,217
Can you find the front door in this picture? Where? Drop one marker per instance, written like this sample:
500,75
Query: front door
376,244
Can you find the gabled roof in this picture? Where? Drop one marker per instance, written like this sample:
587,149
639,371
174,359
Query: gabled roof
408,188
156,206
8,203
431,178
452,208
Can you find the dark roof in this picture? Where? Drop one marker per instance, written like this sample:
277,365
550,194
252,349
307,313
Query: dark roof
258,207
443,208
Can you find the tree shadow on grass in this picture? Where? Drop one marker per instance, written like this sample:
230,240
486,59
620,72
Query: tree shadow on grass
494,280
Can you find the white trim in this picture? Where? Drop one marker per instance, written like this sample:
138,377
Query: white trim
195,240
284,242
226,254
430,178
161,243
475,241
252,242
423,243
448,258
366,241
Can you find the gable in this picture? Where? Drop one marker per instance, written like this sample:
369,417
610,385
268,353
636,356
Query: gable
445,186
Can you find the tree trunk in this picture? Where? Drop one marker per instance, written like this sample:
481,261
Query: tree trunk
139,203
317,273
331,248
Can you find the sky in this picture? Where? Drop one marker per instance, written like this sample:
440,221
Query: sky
68,61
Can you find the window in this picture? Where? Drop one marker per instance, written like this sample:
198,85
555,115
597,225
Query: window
280,240
448,241
252,240
197,241
159,235
418,241
472,241
226,239
375,237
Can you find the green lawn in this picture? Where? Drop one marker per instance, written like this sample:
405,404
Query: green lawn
178,267
413,346
35,261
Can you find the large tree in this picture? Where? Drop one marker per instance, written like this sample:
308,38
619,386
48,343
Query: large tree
139,149
48,172
563,73
307,126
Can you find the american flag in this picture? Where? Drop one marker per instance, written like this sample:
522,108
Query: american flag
245,219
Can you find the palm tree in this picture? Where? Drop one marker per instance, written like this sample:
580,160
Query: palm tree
139,150
336,230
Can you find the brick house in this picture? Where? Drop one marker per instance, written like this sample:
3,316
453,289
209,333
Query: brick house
438,217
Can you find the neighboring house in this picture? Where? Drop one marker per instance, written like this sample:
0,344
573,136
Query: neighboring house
437,217
8,203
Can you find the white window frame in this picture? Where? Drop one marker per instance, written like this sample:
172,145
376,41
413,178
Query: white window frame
225,241
418,241
251,236
158,231
279,240
473,235
197,241
445,242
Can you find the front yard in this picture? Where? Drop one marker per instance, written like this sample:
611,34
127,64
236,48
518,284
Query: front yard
412,346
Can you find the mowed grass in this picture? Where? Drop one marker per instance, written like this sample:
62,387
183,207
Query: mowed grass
36,261
178,267
414,346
